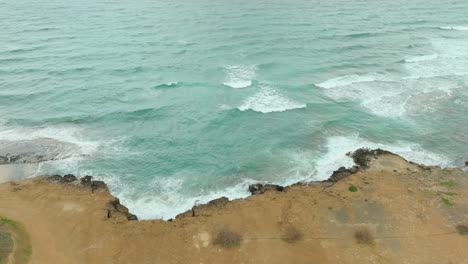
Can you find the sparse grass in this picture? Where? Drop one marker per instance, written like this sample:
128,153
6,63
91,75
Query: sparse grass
364,236
227,239
366,182
6,243
9,222
450,193
446,172
292,235
27,251
352,188
448,183
330,208
462,230
24,250
447,202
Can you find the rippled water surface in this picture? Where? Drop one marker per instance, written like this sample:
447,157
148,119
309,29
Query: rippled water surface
177,102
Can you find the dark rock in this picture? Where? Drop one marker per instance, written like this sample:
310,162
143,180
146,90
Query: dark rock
188,213
114,205
69,178
342,173
55,179
35,150
363,156
132,217
98,185
219,202
86,180
203,209
466,163
115,209
259,188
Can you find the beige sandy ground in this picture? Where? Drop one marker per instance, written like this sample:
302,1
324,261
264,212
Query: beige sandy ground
399,204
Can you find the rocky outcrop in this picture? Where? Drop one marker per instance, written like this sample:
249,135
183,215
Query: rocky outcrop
35,150
259,188
342,173
202,209
114,208
363,156
86,181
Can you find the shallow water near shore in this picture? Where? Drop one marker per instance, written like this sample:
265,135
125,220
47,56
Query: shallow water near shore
176,103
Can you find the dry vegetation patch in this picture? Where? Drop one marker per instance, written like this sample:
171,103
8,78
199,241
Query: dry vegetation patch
462,229
364,236
292,234
227,239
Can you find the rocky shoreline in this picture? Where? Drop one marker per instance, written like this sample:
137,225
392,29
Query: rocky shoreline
383,210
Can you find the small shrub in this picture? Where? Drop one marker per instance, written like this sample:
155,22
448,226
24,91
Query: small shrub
352,188
447,202
462,230
292,235
363,236
227,239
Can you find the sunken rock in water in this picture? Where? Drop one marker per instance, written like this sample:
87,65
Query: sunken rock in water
3,160
259,188
35,150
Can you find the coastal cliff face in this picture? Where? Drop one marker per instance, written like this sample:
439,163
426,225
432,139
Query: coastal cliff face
384,210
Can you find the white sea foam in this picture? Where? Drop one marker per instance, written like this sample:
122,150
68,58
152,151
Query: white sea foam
462,28
350,79
338,146
451,60
269,100
171,199
239,76
421,58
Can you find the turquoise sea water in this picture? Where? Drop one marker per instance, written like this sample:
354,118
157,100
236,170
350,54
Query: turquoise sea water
179,102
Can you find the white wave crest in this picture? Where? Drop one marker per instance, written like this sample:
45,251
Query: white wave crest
269,100
461,28
239,76
350,79
421,58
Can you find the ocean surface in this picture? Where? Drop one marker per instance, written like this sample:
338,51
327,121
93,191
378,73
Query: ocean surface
174,103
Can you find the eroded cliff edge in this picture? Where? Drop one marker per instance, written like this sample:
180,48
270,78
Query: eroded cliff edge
383,210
